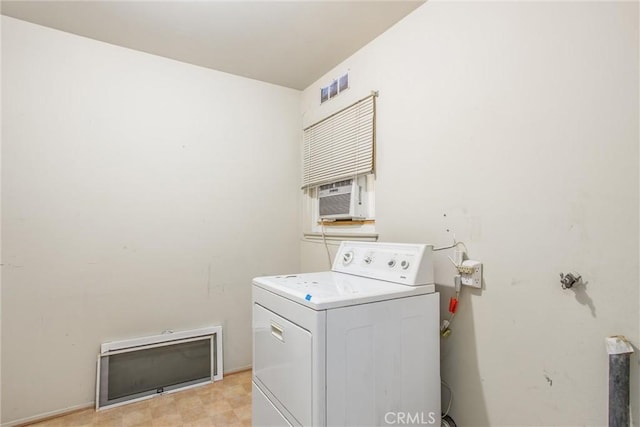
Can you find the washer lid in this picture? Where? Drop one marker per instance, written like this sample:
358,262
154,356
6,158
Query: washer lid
328,289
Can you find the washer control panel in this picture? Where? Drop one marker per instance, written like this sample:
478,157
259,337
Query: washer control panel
403,263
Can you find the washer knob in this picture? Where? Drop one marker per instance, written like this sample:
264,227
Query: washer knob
367,260
391,263
347,258
404,264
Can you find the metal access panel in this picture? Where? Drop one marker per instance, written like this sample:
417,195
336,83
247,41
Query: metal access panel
144,371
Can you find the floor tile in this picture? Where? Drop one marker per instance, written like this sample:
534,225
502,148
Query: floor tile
243,413
172,419
238,401
218,407
226,419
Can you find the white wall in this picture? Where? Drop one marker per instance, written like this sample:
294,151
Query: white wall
139,194
514,127
1,174
0,240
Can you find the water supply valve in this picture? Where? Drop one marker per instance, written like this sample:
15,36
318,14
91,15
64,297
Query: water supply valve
569,280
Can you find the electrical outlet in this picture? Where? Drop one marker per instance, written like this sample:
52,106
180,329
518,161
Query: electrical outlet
471,273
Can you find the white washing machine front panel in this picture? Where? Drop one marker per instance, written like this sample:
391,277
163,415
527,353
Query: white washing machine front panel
284,367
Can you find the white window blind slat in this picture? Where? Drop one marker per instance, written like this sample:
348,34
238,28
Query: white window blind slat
338,153
359,125
340,146
344,158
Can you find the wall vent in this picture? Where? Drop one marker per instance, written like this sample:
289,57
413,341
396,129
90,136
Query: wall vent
141,368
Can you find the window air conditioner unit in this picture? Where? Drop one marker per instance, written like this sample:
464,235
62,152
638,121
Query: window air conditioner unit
344,199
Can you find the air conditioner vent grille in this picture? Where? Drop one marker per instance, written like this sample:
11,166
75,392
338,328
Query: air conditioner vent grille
337,204
345,183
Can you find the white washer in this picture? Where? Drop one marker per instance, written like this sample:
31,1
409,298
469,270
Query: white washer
355,346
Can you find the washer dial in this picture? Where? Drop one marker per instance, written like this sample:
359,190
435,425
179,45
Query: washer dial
347,257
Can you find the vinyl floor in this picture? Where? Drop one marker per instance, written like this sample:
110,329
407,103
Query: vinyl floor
223,403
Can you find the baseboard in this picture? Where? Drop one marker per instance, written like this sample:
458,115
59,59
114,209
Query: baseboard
238,370
48,415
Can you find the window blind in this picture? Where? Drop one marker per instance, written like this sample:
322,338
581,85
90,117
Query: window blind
341,145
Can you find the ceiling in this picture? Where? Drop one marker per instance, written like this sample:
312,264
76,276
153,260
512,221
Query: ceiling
288,43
